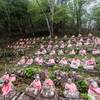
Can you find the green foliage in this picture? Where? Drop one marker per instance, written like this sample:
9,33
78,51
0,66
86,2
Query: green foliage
26,16
98,66
29,72
86,96
65,68
70,56
13,15
96,15
1,68
82,85
51,75
65,11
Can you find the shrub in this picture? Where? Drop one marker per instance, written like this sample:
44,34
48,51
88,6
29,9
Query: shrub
51,75
29,72
66,68
82,85
85,96
69,56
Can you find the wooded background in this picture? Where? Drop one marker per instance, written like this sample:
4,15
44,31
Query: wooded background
43,17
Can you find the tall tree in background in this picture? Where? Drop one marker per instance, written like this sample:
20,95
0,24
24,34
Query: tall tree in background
78,11
5,14
52,9
96,16
28,16
39,11
13,15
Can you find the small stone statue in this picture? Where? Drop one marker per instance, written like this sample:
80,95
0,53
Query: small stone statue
8,90
48,90
90,64
71,91
34,89
94,90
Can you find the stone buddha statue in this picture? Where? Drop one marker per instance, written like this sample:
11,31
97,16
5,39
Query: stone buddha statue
35,87
48,90
71,91
94,90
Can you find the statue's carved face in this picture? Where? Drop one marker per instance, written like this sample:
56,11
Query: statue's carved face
69,81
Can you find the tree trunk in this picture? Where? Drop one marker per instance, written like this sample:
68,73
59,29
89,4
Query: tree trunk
8,20
51,5
77,7
46,18
20,29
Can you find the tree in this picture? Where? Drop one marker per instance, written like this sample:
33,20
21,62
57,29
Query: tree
14,15
28,16
96,16
78,12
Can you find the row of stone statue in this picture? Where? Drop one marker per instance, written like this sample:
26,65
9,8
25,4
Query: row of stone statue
45,90
24,43
56,51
